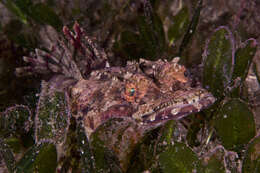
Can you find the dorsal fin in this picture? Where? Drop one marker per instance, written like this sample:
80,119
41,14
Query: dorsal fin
74,58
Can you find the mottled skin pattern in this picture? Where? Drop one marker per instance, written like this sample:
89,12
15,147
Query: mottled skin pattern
150,92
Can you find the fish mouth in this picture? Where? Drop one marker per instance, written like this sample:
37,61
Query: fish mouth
179,107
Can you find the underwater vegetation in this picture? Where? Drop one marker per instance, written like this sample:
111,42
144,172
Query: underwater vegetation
132,95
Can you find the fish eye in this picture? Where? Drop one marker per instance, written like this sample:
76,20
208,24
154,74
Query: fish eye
132,92
186,73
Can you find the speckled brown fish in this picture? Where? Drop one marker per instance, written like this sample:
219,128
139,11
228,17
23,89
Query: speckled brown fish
151,92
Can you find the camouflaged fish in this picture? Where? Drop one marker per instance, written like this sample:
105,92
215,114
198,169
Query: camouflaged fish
151,92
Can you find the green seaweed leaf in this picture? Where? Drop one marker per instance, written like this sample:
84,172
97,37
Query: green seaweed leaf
46,160
25,164
16,120
20,34
152,38
52,117
167,133
154,142
112,144
7,155
193,130
235,124
243,59
218,59
39,12
213,162
144,154
86,156
14,143
191,28
19,8
180,25
39,158
148,43
128,45
179,158
215,166
43,14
